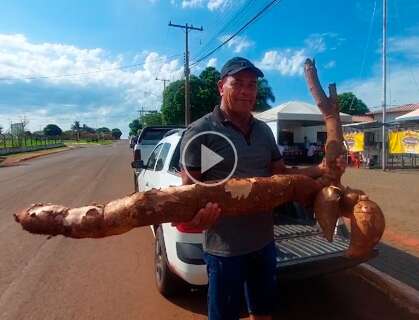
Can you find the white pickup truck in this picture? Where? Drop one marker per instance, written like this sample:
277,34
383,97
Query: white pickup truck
302,251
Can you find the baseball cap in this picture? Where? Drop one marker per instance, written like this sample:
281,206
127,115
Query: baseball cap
238,64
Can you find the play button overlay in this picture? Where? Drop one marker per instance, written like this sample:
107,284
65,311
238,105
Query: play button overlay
221,156
209,158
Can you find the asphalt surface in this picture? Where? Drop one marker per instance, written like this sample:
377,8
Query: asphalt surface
113,278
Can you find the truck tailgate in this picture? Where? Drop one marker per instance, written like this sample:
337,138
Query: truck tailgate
303,243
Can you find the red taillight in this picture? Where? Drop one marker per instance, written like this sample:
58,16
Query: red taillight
183,227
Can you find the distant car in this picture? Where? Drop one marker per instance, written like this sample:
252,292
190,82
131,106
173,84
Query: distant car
302,251
146,141
132,141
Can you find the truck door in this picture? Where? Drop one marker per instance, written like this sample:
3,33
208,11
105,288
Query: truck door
146,178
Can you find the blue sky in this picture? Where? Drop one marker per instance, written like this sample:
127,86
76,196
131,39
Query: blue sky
94,39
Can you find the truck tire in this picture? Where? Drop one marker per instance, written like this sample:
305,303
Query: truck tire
168,283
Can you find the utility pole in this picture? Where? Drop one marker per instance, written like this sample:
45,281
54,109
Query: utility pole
164,83
384,148
141,112
187,27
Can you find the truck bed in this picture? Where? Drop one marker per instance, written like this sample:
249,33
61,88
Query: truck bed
296,243
302,251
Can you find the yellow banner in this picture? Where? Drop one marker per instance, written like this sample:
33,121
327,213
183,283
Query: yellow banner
404,141
355,141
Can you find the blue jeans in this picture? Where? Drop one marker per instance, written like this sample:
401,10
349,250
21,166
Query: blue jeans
228,276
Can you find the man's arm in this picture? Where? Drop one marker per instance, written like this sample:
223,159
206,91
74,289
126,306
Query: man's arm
278,167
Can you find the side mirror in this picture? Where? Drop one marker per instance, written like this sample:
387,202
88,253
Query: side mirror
138,164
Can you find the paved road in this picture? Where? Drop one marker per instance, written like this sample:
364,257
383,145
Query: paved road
113,278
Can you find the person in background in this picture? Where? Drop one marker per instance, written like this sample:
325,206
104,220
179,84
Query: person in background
306,143
311,152
282,147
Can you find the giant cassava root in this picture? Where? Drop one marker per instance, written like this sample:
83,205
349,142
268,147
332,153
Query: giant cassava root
173,204
236,197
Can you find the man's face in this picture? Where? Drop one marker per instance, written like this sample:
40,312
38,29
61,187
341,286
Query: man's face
238,92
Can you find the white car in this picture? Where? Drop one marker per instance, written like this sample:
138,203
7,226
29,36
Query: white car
178,255
145,143
302,250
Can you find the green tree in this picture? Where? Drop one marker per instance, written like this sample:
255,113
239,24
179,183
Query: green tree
350,104
76,126
134,127
88,129
152,119
204,96
174,99
52,130
103,130
265,95
116,133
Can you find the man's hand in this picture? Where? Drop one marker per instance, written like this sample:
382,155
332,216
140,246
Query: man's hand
206,217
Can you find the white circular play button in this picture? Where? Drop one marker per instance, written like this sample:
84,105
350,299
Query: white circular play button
210,158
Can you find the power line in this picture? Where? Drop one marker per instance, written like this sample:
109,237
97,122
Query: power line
84,73
268,6
371,25
231,23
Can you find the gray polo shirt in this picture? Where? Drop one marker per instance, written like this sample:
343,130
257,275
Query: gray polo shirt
232,236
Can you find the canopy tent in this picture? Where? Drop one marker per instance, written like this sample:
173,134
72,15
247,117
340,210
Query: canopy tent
298,113
411,116
363,125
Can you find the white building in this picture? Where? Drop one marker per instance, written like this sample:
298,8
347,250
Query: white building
292,121
393,112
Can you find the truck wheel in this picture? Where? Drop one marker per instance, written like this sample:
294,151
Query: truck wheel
168,283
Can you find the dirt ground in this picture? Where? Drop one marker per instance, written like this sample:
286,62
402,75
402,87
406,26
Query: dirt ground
397,193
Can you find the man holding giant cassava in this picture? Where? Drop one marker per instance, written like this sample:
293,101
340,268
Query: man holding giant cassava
239,251
239,238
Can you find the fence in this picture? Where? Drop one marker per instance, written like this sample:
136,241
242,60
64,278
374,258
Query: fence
14,144
403,146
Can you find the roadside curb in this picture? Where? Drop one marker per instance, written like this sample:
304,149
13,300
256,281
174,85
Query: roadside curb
399,292
6,163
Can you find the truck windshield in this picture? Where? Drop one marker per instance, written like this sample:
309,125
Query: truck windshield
151,137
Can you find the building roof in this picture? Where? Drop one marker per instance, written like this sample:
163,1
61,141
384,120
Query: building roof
294,110
362,118
412,115
403,108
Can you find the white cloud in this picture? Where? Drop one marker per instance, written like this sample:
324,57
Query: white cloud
290,61
192,3
402,87
402,80
218,4
106,98
331,64
287,62
212,62
316,43
238,43
320,42
408,46
212,5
